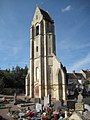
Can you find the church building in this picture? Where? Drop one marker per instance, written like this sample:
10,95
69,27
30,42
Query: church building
47,74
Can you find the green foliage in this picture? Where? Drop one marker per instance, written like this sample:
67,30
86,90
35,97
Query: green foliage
14,80
1,85
8,91
87,82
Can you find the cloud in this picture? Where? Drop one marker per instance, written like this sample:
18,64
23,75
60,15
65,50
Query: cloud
82,63
69,45
66,9
74,41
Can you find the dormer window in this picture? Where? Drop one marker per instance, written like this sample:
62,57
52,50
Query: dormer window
37,30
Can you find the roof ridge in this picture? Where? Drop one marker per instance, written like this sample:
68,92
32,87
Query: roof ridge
46,16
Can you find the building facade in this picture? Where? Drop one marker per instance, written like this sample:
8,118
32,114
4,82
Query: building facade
47,75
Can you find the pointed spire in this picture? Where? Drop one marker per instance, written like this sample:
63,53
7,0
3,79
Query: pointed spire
37,5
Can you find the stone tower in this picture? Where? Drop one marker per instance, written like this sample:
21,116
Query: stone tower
47,75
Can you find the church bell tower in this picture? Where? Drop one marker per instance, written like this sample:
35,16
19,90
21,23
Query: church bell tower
43,62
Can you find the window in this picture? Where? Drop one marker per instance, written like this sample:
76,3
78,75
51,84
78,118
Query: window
49,50
37,73
49,73
47,27
50,70
36,48
37,30
49,36
47,24
36,17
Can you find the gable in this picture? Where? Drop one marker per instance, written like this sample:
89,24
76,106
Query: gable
41,14
37,16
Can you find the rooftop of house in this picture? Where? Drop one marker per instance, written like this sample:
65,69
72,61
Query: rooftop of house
79,76
71,76
75,76
88,78
87,73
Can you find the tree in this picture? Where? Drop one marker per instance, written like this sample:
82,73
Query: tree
17,69
87,82
2,84
15,79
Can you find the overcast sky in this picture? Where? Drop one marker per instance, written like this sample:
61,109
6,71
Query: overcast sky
72,30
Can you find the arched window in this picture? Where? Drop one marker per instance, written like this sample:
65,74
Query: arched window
49,50
49,73
36,48
36,17
37,30
37,73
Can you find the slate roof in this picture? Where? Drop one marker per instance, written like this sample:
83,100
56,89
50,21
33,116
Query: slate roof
46,16
75,76
88,78
87,72
71,76
79,76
